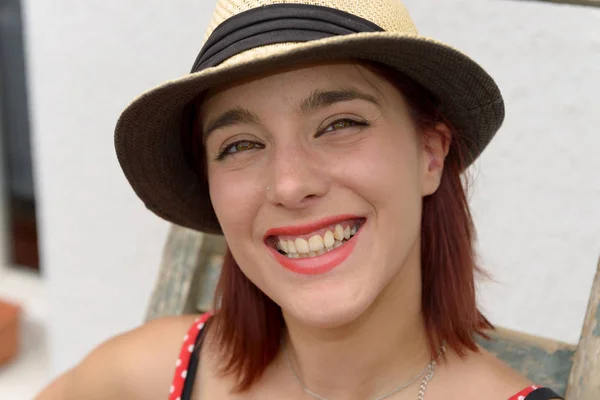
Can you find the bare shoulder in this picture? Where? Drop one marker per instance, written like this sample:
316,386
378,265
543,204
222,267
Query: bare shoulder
138,364
506,379
480,375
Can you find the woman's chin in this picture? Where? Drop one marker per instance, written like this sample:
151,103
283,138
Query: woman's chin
324,313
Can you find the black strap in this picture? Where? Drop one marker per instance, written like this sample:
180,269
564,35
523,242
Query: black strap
188,385
543,394
277,23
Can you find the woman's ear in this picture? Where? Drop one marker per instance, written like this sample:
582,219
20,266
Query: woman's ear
436,144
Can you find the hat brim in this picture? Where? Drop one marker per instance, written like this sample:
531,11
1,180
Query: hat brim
147,134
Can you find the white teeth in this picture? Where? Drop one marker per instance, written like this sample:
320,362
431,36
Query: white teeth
328,239
324,250
302,246
338,233
315,243
283,245
291,247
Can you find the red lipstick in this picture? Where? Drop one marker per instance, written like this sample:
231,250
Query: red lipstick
303,229
318,264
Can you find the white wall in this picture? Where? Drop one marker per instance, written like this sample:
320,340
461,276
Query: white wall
100,247
535,199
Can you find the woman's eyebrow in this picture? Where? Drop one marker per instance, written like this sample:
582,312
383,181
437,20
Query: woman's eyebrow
231,117
317,99
324,98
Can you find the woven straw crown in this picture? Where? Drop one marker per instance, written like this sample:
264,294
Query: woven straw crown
244,39
391,15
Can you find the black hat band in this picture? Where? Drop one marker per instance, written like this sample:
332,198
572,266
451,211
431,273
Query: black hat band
277,23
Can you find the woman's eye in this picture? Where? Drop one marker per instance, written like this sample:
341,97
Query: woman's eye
343,124
238,147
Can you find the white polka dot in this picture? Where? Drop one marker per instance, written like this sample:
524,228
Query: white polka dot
186,337
178,363
200,326
184,374
191,348
172,389
521,398
179,398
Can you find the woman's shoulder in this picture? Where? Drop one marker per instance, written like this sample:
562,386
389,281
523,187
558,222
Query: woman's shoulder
145,358
138,364
488,377
491,378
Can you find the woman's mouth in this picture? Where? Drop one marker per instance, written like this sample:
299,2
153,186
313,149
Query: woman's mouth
315,248
316,243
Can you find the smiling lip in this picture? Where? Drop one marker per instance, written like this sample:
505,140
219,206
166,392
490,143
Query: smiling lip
298,230
318,264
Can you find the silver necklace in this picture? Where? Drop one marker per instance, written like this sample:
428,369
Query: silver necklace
426,374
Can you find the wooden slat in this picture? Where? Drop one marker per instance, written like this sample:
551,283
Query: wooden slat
211,271
546,362
181,257
186,277
584,382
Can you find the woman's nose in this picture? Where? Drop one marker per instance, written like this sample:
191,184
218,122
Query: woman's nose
297,176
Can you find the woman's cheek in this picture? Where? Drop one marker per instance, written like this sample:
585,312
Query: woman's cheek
233,197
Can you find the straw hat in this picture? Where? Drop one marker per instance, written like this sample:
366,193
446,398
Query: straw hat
255,36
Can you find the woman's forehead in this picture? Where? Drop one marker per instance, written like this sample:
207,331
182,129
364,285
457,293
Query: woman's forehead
297,86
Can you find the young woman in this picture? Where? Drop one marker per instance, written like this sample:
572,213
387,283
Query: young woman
327,142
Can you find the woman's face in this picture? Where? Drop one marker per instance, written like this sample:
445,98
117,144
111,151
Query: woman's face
300,160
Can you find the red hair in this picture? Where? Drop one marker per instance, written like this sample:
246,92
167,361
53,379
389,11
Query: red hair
249,325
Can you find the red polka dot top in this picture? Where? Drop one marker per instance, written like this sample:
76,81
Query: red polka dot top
187,364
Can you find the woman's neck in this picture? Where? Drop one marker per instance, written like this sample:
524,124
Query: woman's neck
385,347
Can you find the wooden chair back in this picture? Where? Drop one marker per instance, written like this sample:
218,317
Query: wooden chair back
190,268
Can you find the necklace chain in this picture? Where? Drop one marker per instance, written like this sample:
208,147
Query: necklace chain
426,374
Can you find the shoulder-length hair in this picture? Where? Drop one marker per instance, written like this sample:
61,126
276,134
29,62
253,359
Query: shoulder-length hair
248,326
